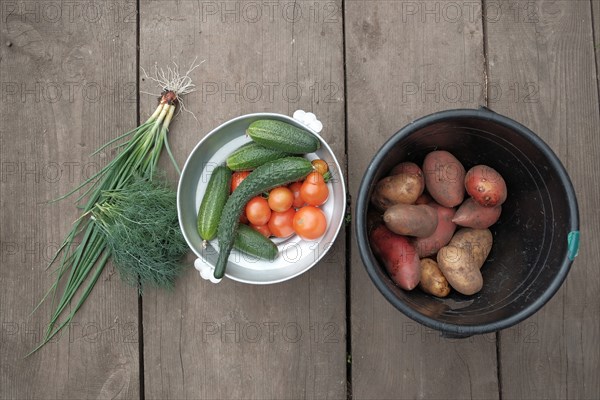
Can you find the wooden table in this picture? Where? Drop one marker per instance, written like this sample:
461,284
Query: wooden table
70,81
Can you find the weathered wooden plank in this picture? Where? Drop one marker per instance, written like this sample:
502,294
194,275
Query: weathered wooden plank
67,74
235,340
545,60
595,4
406,60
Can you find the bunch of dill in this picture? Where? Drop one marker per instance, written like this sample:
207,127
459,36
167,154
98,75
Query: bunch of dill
142,232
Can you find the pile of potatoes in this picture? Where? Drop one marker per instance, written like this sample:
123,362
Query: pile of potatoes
418,241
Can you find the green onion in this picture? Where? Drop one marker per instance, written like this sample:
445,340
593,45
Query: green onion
140,149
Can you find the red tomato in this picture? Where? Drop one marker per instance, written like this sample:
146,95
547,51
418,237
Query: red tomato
281,223
310,223
315,178
237,178
258,211
262,229
314,190
281,199
295,188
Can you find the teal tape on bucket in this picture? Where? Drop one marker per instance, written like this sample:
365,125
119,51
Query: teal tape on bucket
573,242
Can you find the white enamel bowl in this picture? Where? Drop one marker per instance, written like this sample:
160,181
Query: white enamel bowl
296,255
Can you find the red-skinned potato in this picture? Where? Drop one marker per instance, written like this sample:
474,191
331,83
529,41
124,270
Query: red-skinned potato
486,186
428,246
411,220
424,199
444,178
397,189
398,256
473,215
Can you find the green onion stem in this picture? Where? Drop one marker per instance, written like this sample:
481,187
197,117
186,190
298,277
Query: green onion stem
165,129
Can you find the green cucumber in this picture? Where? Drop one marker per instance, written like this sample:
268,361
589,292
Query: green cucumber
251,242
266,177
213,202
252,155
279,135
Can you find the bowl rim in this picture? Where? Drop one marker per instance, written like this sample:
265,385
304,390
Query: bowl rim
264,115
369,262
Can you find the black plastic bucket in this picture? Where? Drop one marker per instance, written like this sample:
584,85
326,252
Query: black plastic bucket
535,240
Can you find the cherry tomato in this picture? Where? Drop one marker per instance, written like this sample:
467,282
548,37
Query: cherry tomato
237,178
281,224
281,199
320,166
315,178
310,223
262,229
295,188
258,211
314,190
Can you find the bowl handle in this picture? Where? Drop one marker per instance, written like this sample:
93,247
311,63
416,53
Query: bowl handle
309,119
206,270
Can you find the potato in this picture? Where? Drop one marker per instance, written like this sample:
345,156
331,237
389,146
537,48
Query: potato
461,260
477,241
444,178
472,215
428,246
432,280
486,186
398,256
424,199
409,220
408,167
397,189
